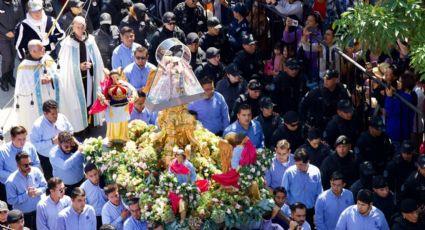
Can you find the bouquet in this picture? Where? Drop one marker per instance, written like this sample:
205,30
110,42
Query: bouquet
190,193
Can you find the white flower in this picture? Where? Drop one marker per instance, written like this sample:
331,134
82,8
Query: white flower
228,211
190,197
170,184
258,173
249,177
215,200
114,177
237,206
252,170
263,168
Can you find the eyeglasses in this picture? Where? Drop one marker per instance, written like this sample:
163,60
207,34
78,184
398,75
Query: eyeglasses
141,58
27,165
62,190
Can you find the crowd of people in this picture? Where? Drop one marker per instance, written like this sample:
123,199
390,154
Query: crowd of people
346,145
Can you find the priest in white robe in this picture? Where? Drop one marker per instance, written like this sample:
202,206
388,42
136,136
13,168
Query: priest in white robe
37,81
81,69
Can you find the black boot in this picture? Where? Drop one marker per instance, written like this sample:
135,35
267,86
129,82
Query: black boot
4,86
10,79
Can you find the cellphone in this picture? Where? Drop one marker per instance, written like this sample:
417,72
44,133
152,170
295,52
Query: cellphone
294,22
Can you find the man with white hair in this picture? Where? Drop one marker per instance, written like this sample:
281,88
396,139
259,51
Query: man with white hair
36,82
80,84
37,25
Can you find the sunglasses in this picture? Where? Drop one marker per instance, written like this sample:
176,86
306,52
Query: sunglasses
3,212
27,165
62,190
141,58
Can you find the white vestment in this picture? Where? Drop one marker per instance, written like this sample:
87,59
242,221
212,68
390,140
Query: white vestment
75,103
30,93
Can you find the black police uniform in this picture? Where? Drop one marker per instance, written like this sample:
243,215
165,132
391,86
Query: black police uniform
401,223
339,126
66,20
318,155
231,91
377,150
288,92
269,125
319,105
143,29
249,64
346,165
364,182
214,72
159,36
386,205
414,188
118,9
245,99
191,19
197,58
235,33
295,138
206,41
398,170
107,37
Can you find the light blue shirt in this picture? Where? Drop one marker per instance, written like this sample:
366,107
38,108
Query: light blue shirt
183,178
17,186
236,156
213,113
329,206
111,214
137,76
68,167
302,187
95,196
122,56
8,154
351,219
69,219
275,173
254,132
43,131
146,116
133,224
48,210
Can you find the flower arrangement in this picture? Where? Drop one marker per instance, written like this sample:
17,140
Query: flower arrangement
167,183
190,193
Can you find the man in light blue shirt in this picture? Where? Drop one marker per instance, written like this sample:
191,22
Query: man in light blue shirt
303,182
138,71
245,124
77,216
281,162
49,207
124,53
95,196
134,222
332,202
212,111
363,215
299,217
9,151
68,161
114,211
24,188
44,133
140,112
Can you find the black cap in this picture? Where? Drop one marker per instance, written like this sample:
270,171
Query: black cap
330,73
421,161
407,147
212,52
379,182
214,22
345,106
377,123
266,102
75,3
408,205
248,39
105,19
232,69
192,38
168,17
366,169
342,140
290,117
14,215
240,8
293,63
254,84
139,8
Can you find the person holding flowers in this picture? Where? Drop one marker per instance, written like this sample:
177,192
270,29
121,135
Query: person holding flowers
182,168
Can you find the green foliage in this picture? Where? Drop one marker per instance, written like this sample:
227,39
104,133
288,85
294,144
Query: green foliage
379,26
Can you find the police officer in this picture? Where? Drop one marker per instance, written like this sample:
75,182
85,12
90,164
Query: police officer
409,219
249,60
11,14
319,105
268,120
107,38
374,145
289,88
251,97
231,86
344,123
75,9
414,186
139,21
290,130
213,68
383,198
342,160
197,54
238,27
214,37
316,149
190,16
168,30
401,166
366,172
